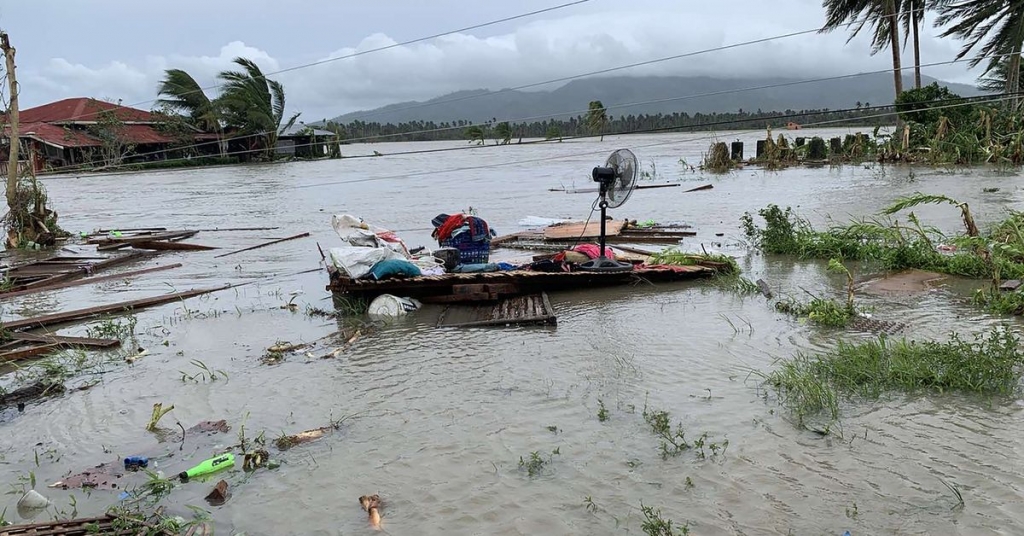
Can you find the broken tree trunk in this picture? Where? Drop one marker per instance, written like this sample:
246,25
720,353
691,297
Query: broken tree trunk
12,117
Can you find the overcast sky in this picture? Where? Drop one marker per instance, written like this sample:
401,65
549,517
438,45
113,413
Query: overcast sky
118,49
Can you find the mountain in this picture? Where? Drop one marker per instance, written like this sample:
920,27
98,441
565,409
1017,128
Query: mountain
660,93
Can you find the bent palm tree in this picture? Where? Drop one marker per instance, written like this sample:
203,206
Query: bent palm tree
994,81
994,27
597,118
185,96
880,15
254,104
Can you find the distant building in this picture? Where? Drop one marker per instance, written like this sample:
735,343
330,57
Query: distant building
304,141
78,131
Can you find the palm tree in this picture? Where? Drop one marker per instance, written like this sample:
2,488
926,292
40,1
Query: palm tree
880,15
475,133
254,104
503,132
912,17
597,118
184,95
995,27
994,81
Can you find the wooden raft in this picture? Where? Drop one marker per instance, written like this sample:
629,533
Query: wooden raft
534,309
493,286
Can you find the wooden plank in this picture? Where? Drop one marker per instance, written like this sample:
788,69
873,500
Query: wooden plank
263,245
31,351
232,229
598,190
86,281
80,314
85,271
170,246
519,310
572,231
87,342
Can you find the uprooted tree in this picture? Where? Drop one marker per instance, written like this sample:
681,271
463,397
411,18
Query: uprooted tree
28,220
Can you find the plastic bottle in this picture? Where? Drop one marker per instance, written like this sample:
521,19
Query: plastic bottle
209,466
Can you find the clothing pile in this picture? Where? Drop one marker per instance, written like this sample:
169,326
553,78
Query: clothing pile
375,253
570,259
468,234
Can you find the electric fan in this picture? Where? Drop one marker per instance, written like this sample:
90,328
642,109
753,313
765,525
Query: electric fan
616,179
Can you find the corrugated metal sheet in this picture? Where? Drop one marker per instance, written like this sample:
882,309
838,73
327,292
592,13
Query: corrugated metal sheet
81,109
55,135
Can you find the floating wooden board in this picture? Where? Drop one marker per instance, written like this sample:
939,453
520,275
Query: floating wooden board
81,314
572,231
85,281
533,309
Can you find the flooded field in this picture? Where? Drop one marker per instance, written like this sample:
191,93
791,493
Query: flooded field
437,420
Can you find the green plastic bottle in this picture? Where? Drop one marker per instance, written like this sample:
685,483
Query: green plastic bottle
209,466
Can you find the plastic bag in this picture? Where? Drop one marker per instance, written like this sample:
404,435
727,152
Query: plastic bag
356,262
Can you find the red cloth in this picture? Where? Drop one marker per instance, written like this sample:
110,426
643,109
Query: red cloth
444,232
594,251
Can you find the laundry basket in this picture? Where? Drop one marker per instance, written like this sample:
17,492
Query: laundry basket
470,251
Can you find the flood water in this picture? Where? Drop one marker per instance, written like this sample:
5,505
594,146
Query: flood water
436,420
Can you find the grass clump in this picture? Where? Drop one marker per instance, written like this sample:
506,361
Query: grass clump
655,525
535,463
822,311
989,364
673,442
602,412
717,159
118,328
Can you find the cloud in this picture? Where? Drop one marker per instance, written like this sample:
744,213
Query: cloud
529,53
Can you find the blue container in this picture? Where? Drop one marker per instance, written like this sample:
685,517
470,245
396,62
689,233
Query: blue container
134,463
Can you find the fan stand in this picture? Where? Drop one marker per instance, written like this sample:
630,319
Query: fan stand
602,263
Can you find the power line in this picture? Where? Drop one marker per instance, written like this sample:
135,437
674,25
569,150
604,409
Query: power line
387,47
611,69
546,116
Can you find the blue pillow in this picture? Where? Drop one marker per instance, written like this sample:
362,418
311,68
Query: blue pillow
394,268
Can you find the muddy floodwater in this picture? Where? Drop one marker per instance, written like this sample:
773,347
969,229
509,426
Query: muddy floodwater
436,420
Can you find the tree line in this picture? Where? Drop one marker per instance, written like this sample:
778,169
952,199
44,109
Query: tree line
596,123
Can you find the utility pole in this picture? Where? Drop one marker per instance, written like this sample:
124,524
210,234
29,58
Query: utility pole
12,118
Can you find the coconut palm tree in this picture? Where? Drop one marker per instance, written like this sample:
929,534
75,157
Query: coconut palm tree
994,80
597,118
912,17
254,104
994,29
181,93
880,16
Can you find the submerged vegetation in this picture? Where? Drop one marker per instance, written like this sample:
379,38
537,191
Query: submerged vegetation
991,364
889,244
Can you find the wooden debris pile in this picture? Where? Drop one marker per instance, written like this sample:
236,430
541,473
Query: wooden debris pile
152,238
565,235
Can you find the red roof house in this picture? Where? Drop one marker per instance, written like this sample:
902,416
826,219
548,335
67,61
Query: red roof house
64,133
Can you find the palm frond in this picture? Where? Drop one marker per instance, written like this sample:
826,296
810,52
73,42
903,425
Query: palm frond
916,199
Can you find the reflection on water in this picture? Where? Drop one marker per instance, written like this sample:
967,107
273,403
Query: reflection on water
437,419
